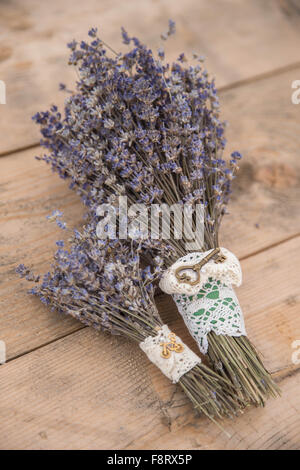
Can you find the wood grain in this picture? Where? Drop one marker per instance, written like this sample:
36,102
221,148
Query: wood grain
87,379
30,192
264,127
67,387
263,210
276,427
92,391
98,406
33,35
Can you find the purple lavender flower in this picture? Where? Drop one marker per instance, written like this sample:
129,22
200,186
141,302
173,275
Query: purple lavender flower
140,126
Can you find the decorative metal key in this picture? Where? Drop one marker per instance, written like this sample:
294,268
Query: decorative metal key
182,276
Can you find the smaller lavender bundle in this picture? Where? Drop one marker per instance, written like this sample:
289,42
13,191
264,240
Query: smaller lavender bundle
102,285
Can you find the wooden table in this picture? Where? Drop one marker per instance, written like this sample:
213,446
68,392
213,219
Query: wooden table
66,387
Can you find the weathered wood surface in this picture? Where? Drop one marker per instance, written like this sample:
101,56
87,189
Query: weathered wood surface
264,126
28,195
266,193
68,387
241,39
90,391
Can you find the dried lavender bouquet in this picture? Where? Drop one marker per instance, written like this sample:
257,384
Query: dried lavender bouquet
103,285
137,127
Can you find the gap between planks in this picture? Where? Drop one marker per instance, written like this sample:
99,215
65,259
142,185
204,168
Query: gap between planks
282,192
280,373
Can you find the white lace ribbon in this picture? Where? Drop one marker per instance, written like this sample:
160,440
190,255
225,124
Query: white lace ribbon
161,350
215,308
229,272
210,304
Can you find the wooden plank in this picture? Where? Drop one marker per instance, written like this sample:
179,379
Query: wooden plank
266,192
272,324
107,375
28,195
57,377
264,127
240,39
93,391
276,427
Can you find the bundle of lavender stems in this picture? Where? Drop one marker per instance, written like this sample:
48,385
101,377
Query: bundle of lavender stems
137,127
102,285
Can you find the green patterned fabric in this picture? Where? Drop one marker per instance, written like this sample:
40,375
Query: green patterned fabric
214,308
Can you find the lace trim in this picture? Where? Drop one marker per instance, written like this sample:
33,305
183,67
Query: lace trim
169,354
214,308
229,272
